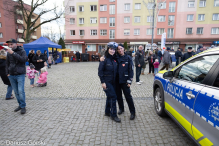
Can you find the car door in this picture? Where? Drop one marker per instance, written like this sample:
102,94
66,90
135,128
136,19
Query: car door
181,92
206,109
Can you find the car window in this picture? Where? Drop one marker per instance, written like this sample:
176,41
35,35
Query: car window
216,82
197,69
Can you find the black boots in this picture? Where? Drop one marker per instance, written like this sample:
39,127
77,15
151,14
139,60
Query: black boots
120,112
17,109
23,110
132,117
116,119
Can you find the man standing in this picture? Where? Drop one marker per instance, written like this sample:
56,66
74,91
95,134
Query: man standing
159,55
178,55
188,54
78,56
200,49
16,70
166,59
139,62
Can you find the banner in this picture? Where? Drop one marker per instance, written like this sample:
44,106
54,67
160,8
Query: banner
163,41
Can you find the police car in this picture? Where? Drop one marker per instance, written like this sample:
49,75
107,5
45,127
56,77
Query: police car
189,94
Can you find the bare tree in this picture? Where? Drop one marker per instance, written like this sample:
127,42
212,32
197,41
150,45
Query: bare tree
28,14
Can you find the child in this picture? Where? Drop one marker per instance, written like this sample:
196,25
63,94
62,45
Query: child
43,77
31,74
50,61
156,66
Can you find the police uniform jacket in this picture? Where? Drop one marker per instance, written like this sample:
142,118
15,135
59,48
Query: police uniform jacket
125,69
107,70
187,55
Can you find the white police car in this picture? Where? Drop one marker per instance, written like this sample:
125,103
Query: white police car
189,94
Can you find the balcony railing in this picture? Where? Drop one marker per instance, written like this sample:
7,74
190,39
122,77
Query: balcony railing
19,12
34,37
20,30
32,20
20,21
20,40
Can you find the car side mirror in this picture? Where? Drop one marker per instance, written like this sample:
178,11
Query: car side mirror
168,75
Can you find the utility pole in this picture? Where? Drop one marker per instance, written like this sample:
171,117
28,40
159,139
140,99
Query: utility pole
152,39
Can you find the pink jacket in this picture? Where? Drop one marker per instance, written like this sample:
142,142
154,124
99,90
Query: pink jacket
49,60
31,73
156,64
43,78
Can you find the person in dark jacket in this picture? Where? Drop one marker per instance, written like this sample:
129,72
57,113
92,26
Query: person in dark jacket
38,61
189,54
139,62
123,81
30,57
107,73
151,59
129,53
55,56
159,55
46,58
16,70
78,56
199,50
3,75
178,55
166,59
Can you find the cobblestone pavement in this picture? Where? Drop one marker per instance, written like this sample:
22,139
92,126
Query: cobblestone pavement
70,111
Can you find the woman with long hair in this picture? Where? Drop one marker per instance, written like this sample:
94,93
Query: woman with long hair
30,57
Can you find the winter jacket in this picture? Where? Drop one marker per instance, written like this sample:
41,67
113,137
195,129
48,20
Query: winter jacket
38,65
156,64
139,58
149,59
16,62
178,54
198,51
129,53
78,55
166,57
107,70
125,69
159,54
187,55
43,78
31,73
30,58
2,70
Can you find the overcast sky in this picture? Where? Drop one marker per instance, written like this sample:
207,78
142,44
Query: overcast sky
45,28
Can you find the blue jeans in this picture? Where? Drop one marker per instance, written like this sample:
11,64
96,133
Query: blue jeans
47,63
17,83
155,71
9,91
138,73
32,81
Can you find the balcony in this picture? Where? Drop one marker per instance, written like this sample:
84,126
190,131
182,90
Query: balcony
20,30
34,37
20,21
20,40
19,12
32,20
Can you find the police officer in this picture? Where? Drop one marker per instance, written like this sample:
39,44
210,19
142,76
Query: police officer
123,81
189,54
107,72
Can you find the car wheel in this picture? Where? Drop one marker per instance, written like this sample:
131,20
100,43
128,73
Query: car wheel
159,103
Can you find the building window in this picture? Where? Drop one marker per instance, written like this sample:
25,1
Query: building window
0,24
81,8
103,32
202,3
149,18
72,9
126,31
112,22
200,30
72,32
112,9
201,17
126,19
93,32
215,17
136,31
0,15
149,31
216,3
190,17
1,35
72,20
93,20
150,6
161,18
112,1
112,34
170,33
215,30
81,20
191,4
137,6
171,20
93,8
172,6
127,7
137,19
162,5
103,20
188,30
81,32
103,7
160,31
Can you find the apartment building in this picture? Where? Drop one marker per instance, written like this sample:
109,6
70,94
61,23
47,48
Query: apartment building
92,24
12,24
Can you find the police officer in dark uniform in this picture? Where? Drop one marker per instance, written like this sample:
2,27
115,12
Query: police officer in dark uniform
189,54
107,72
123,81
